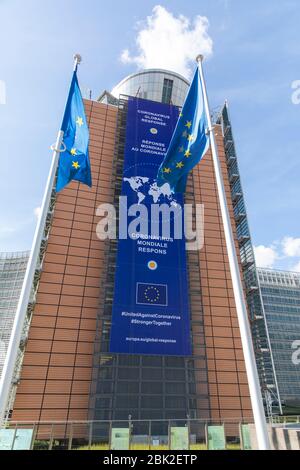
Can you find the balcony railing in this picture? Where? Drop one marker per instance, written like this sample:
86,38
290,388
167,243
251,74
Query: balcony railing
189,434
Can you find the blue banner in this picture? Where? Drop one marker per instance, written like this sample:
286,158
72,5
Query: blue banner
150,308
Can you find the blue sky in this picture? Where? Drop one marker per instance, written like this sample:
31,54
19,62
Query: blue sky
255,59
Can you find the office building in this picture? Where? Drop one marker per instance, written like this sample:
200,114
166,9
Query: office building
68,371
12,271
281,301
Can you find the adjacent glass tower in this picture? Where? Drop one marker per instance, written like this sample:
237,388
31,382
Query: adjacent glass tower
281,298
12,271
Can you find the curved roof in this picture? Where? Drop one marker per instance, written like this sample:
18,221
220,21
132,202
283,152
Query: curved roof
146,71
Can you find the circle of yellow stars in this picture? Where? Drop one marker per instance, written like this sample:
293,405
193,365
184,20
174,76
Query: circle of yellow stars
73,151
187,153
151,290
152,265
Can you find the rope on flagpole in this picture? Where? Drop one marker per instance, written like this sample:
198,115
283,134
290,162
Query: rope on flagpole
62,148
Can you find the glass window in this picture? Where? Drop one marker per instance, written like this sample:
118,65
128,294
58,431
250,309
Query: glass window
127,401
151,402
175,402
167,91
152,361
129,360
102,414
124,414
127,387
106,373
105,387
174,362
152,387
151,414
176,414
128,373
175,388
152,374
103,402
175,374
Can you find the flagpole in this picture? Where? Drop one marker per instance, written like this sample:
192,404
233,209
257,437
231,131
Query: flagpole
250,363
16,333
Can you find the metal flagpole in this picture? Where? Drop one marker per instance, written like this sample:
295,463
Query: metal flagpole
15,337
252,375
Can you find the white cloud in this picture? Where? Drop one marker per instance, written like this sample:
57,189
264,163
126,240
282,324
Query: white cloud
37,211
281,254
265,256
291,246
169,42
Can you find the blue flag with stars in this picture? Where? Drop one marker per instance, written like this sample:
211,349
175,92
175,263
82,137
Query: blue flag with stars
189,142
74,163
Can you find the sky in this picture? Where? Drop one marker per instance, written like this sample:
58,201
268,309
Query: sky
252,54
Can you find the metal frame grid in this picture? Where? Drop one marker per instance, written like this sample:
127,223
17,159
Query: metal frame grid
12,271
281,297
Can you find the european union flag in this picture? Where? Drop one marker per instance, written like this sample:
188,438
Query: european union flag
151,294
189,141
74,163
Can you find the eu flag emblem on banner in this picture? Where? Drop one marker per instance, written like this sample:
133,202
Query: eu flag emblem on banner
151,294
189,142
74,163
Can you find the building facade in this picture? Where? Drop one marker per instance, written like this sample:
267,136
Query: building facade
12,271
68,372
281,299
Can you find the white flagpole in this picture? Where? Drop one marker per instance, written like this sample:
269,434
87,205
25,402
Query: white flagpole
15,337
252,375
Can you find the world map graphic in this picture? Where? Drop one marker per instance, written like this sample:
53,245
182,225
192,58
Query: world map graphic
146,188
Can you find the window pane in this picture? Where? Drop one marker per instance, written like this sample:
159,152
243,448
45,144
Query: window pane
128,373
151,402
152,387
167,91
151,374
127,387
175,388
